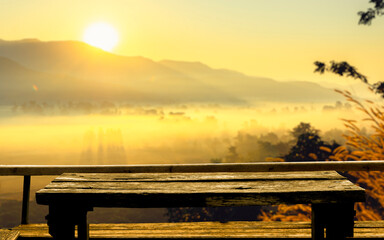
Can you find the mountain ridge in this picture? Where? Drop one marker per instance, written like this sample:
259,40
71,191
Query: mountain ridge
166,80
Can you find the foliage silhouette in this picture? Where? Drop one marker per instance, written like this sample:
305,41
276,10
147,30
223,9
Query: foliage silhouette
343,68
362,147
303,128
222,214
310,147
340,68
366,17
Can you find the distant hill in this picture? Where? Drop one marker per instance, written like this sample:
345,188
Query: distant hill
19,84
72,70
254,88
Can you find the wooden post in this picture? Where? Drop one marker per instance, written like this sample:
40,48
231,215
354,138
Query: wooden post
337,218
340,224
26,192
318,223
63,219
82,225
61,223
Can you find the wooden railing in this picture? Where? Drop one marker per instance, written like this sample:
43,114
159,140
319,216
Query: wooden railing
51,170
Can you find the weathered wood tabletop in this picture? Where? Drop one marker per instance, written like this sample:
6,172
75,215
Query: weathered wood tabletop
71,195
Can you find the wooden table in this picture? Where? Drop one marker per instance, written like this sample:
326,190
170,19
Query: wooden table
72,195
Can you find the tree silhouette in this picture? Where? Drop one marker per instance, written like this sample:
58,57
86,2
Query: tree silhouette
303,128
309,145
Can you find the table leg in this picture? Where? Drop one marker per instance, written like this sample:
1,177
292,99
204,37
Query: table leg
83,227
318,223
62,222
338,219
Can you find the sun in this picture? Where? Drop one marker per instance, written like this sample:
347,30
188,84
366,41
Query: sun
101,35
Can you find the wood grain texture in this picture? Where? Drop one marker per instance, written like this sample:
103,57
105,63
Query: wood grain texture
199,189
208,230
6,234
245,186
186,177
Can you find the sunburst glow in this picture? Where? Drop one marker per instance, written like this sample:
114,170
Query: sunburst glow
101,35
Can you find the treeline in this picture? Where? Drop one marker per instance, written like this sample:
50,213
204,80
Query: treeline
96,108
66,108
85,108
118,108
302,143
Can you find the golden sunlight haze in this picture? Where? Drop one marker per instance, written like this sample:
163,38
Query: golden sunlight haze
101,35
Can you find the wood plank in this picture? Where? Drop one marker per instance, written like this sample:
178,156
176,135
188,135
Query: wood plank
7,234
176,200
104,198
369,224
22,170
186,177
252,230
280,186
196,200
184,230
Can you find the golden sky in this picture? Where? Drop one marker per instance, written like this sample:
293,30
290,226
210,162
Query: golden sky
272,38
